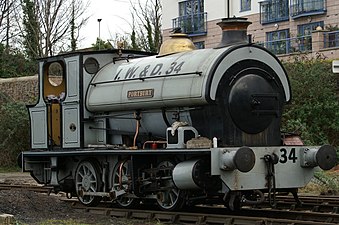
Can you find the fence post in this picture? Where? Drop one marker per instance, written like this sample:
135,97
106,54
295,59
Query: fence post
317,40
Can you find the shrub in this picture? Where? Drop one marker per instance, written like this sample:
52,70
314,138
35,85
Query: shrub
14,64
14,132
314,110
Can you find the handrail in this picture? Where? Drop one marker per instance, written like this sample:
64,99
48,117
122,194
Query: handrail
289,45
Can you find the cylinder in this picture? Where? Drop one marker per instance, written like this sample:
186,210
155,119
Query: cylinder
184,174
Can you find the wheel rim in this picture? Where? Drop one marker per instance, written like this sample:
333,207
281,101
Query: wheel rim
87,181
122,181
170,197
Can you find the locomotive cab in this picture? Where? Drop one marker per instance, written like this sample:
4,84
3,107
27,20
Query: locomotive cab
55,117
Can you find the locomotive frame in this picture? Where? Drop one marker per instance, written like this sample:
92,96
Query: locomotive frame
95,134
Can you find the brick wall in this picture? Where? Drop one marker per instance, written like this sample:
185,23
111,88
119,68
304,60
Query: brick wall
24,89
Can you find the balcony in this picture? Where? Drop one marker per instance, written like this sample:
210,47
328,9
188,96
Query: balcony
303,44
307,8
273,11
289,45
193,25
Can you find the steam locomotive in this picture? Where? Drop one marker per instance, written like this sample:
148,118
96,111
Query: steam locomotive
182,127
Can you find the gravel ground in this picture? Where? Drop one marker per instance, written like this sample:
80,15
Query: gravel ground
29,207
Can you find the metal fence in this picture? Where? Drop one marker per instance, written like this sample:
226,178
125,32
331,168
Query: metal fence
307,6
300,44
289,45
194,24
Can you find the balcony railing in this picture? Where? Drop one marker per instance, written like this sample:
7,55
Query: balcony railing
302,44
307,8
193,25
331,39
273,11
289,45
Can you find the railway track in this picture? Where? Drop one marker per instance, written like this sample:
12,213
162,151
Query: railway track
321,203
39,189
315,210
220,216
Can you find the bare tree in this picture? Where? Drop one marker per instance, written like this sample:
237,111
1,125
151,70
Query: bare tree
78,20
59,22
146,29
6,9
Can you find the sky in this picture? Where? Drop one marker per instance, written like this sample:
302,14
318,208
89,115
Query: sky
115,18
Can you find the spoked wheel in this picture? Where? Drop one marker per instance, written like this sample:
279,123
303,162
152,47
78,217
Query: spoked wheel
87,179
121,181
169,197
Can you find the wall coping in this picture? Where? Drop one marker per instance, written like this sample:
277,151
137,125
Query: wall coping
18,79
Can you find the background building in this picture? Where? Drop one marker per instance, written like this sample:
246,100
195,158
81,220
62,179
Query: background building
284,26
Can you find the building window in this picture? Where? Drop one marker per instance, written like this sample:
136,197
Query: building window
278,42
274,11
199,45
331,40
305,35
306,29
192,18
191,7
301,8
245,5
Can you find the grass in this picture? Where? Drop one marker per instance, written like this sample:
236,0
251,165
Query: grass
324,182
10,169
330,180
62,222
75,222
122,221
57,222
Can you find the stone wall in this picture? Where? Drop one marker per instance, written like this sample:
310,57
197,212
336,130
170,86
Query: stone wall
24,89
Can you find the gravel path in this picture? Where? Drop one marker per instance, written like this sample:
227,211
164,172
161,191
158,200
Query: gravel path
29,207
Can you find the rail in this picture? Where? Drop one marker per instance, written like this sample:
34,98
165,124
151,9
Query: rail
216,214
307,8
301,43
194,24
39,189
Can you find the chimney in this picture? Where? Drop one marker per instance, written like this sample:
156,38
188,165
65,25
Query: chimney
234,31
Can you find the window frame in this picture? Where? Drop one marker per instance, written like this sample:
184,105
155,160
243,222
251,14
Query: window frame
272,45
199,44
200,9
302,8
245,5
279,8
302,27
192,18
